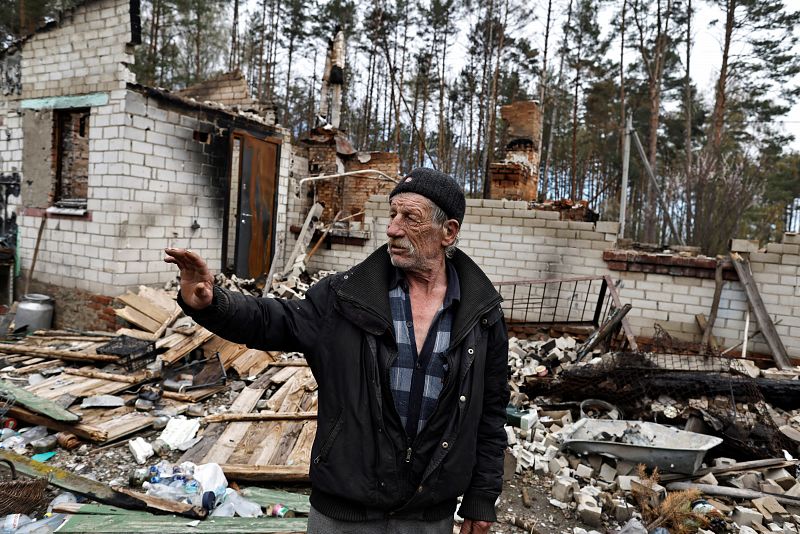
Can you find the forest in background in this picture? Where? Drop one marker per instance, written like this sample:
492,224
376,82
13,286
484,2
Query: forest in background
427,78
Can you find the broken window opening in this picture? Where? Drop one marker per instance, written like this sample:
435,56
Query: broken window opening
202,137
71,159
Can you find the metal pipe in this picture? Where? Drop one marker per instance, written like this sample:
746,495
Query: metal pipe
381,176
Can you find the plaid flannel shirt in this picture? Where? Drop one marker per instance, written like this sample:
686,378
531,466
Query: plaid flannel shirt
417,379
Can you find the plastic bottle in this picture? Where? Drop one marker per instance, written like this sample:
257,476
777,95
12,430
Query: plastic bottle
244,507
43,526
226,509
12,522
164,491
63,497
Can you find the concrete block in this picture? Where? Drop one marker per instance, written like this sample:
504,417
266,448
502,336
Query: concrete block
772,487
781,477
584,471
791,238
607,473
746,516
743,245
590,515
564,488
708,479
622,510
794,491
625,481
607,227
557,464
625,468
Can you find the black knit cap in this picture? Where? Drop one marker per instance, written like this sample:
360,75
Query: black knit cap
437,186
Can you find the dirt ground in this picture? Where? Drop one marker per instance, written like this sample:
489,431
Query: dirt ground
546,518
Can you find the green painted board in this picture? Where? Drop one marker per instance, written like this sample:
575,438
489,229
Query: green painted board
64,102
34,403
139,523
296,502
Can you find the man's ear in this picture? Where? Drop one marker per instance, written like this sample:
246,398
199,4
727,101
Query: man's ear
450,232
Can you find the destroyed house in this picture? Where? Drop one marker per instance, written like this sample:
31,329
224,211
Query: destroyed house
111,172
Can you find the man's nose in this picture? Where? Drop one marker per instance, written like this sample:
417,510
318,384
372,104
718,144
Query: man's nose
394,229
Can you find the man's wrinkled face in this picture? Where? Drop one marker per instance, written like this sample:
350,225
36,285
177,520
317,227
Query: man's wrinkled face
415,241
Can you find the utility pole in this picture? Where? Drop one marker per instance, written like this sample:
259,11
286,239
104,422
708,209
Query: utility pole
626,158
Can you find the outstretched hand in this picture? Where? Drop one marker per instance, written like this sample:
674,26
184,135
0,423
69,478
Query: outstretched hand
197,283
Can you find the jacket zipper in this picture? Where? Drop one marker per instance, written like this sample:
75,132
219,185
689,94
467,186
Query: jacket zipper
326,447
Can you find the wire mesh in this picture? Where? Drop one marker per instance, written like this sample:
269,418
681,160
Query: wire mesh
576,301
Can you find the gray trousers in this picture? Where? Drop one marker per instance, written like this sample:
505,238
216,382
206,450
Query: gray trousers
319,523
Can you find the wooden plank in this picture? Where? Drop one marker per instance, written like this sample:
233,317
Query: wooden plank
135,317
80,386
98,491
126,523
251,443
271,441
36,367
135,378
244,361
284,374
762,316
230,437
210,435
259,416
227,443
194,395
188,345
170,340
736,493
291,431
146,307
301,453
266,473
706,327
36,403
260,365
82,430
43,352
160,298
297,502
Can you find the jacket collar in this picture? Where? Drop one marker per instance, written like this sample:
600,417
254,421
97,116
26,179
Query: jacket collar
366,286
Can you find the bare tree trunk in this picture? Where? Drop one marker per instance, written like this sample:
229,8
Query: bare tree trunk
543,91
492,111
688,126
155,28
260,90
232,61
721,95
443,163
398,124
573,190
554,112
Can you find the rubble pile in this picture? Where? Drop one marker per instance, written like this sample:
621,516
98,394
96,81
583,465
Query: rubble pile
614,471
292,286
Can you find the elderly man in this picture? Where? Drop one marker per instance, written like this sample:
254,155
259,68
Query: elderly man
409,349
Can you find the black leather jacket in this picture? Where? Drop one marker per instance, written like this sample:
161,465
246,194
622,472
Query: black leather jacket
362,466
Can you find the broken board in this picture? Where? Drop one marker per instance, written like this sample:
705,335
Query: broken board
104,518
265,450
35,402
101,424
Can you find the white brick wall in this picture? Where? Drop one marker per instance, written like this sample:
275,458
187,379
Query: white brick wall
139,202
85,54
535,244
